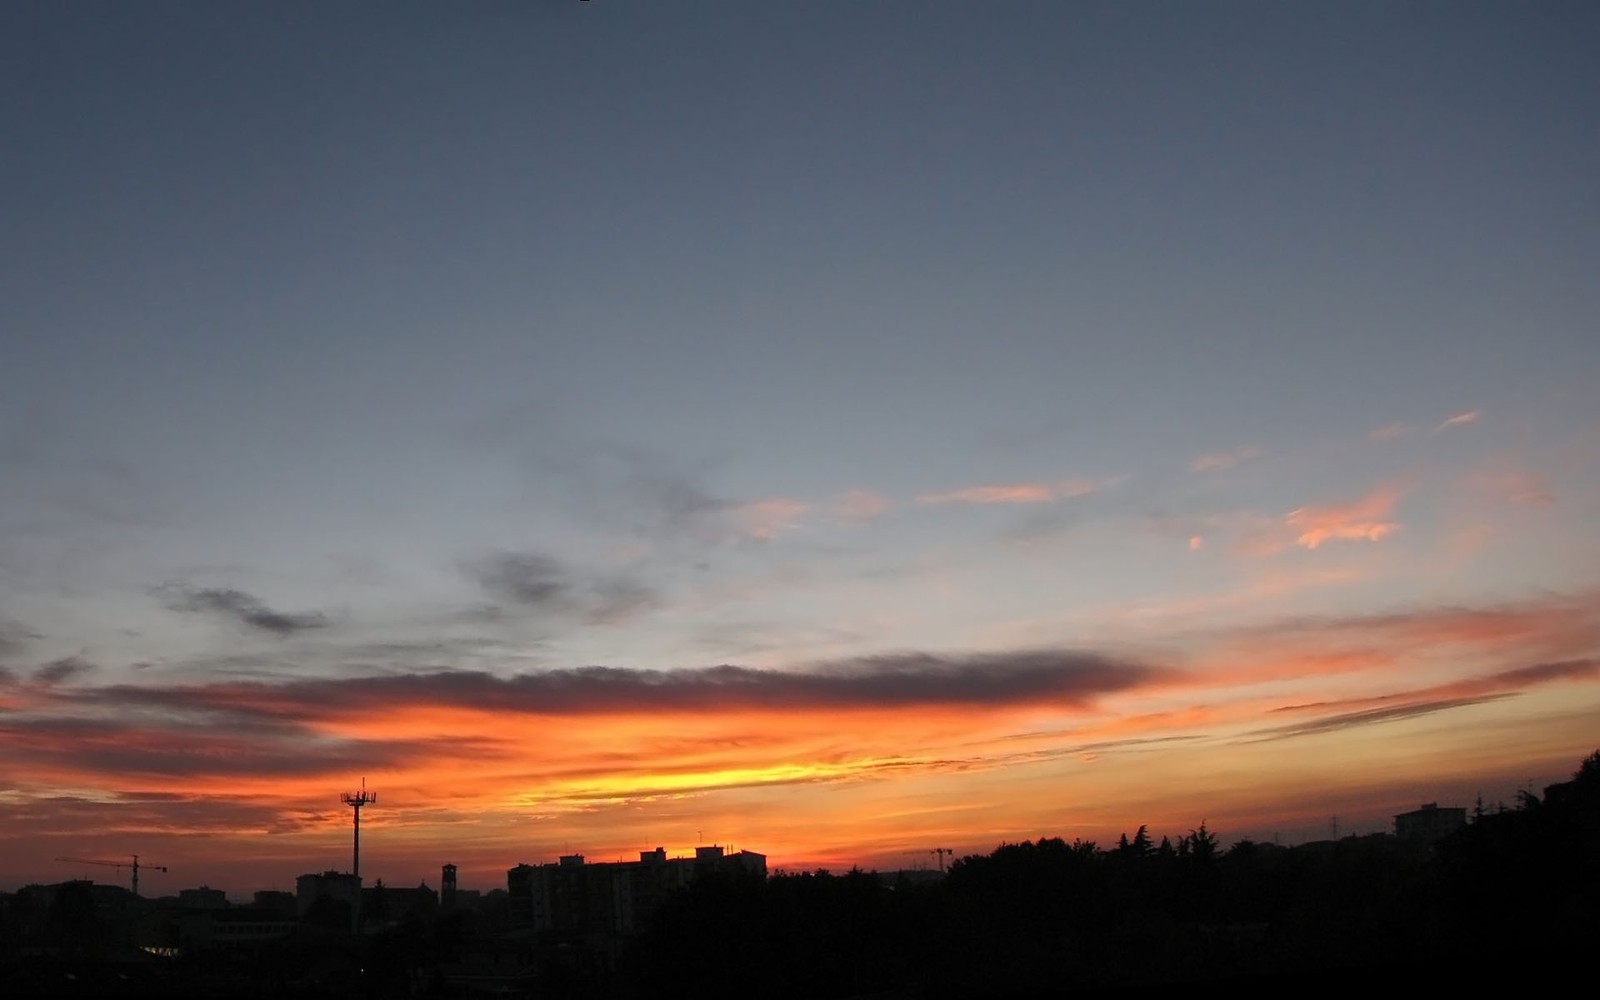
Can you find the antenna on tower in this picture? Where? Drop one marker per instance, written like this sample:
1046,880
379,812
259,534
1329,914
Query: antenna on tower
355,800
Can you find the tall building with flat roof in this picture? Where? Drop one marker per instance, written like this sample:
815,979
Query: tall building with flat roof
339,886
1429,823
613,897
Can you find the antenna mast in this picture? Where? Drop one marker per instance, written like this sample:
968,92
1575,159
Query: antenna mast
355,800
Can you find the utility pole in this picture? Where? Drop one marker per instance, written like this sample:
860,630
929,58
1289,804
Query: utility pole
943,852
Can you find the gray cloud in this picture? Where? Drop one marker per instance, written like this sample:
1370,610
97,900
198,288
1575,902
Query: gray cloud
184,750
241,607
1368,717
1543,673
526,578
1502,684
903,681
544,584
65,669
13,638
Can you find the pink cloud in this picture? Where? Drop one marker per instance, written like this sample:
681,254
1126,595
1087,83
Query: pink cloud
1078,487
1459,420
1366,519
765,520
1513,485
859,505
1008,493
1391,432
1066,489
1225,460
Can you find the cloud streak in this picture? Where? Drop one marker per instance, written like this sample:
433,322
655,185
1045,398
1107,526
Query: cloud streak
764,520
1064,678
240,607
1014,493
63,670
859,505
1459,420
545,585
1368,717
1217,461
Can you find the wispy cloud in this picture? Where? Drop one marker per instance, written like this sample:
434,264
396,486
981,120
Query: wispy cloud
1459,420
1395,431
63,670
543,584
14,637
1216,461
1504,682
530,579
1016,493
239,606
1008,493
1507,483
1368,717
1367,519
764,520
858,505
1391,432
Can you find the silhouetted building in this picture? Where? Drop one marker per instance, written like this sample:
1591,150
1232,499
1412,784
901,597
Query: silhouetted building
1429,823
618,897
385,903
447,887
176,931
341,887
203,898
275,901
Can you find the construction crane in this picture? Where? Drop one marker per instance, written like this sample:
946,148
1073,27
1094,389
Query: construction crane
119,865
942,852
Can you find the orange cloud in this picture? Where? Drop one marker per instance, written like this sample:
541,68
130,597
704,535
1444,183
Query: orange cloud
1366,519
824,761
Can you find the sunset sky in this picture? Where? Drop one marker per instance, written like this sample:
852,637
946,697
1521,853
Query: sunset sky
839,430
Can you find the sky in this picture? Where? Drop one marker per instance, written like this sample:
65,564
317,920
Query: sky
835,430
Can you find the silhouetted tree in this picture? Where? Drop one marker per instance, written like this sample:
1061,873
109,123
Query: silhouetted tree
1587,776
1202,844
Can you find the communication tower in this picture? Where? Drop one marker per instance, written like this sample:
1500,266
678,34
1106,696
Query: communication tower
355,800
